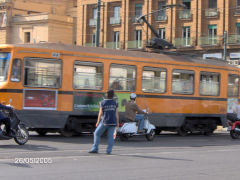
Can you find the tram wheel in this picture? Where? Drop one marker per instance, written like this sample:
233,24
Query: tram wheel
41,132
66,133
182,132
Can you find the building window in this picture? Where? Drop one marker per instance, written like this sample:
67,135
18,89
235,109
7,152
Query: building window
161,33
116,12
161,14
154,80
238,28
94,13
27,37
187,3
138,10
212,3
116,15
238,3
161,8
212,34
138,38
186,36
116,40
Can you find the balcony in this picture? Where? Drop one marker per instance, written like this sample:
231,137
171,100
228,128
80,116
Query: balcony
213,12
237,11
209,41
135,44
161,17
183,42
112,45
5,1
185,14
90,45
115,20
134,19
92,22
233,39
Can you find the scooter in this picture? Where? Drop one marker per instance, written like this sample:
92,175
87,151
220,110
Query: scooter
18,130
129,129
234,128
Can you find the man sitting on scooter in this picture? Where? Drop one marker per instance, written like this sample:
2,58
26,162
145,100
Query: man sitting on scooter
130,112
5,119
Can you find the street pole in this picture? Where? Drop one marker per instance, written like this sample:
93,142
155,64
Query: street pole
98,23
225,46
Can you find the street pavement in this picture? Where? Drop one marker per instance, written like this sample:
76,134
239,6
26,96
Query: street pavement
169,157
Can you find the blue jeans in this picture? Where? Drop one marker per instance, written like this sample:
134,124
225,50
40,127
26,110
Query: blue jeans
140,119
98,133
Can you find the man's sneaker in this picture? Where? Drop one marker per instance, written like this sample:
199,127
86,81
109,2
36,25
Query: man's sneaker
93,152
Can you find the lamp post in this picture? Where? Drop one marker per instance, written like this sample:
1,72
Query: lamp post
225,46
98,23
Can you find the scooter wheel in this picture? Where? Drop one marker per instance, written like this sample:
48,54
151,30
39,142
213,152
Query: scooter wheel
151,135
22,135
123,137
234,135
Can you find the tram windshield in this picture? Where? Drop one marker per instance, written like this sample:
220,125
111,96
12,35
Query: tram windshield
4,65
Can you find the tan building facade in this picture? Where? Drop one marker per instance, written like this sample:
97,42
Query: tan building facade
34,21
197,28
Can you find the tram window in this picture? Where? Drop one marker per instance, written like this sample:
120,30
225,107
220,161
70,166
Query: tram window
122,77
16,70
182,81
233,85
154,80
88,75
39,72
4,65
209,84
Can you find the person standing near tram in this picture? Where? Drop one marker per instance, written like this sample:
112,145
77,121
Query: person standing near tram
108,119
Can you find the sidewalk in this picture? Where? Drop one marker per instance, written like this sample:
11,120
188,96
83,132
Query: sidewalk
221,129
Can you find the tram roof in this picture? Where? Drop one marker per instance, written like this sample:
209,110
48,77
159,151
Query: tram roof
148,55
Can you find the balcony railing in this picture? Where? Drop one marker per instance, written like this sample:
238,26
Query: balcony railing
115,20
135,44
92,22
134,19
213,12
183,42
185,14
112,45
237,11
209,41
161,17
5,1
233,39
90,45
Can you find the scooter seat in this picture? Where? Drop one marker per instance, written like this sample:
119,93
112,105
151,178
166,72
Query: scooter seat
127,121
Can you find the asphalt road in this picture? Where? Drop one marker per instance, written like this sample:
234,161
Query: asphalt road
167,157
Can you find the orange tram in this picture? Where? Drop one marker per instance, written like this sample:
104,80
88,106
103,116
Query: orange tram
56,87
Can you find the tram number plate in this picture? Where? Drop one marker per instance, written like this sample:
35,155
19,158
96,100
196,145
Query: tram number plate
229,128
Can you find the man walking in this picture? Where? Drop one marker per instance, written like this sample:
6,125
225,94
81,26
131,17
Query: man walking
108,119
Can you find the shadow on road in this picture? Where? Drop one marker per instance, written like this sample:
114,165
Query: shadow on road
163,140
155,157
29,147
